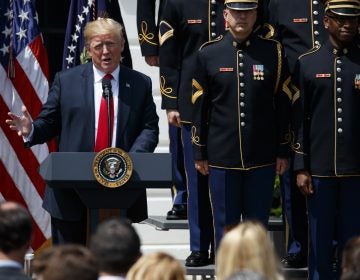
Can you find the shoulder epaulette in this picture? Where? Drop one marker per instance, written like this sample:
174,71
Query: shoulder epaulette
314,49
270,39
265,31
211,41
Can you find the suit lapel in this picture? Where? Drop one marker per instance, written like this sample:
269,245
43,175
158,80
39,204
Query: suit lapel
124,100
88,93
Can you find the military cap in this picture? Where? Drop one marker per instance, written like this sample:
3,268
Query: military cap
343,7
241,5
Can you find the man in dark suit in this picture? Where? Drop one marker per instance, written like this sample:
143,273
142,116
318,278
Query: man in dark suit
15,239
72,111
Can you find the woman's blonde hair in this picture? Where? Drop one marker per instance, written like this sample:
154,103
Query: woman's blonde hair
156,266
247,246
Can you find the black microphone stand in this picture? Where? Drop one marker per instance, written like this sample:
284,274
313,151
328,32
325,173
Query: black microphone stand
107,94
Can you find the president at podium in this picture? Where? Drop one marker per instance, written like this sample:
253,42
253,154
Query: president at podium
90,107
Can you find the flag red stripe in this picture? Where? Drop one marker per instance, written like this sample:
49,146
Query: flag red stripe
20,180
26,91
30,97
25,156
39,51
10,192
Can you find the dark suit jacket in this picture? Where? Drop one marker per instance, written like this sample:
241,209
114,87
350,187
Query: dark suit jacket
69,114
12,273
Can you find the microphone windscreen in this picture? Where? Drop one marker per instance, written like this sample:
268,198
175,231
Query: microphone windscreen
106,86
106,83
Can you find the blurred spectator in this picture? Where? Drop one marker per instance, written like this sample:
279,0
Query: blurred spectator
247,246
156,266
15,239
116,245
351,260
66,262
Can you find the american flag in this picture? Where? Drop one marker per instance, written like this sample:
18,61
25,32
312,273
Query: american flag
23,81
81,12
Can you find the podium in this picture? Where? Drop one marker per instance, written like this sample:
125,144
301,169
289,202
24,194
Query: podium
74,170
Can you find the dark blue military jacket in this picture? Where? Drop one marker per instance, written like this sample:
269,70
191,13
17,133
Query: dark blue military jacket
327,111
242,101
147,26
184,27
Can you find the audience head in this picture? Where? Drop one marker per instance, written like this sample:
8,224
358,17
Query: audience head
15,229
156,266
247,246
351,260
70,262
116,245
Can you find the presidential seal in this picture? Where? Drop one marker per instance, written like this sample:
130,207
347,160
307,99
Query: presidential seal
112,167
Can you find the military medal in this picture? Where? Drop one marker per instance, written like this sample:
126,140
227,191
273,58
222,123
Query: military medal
258,72
357,81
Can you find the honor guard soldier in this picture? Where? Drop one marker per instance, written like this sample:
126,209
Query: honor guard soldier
327,136
242,103
149,44
298,26
184,27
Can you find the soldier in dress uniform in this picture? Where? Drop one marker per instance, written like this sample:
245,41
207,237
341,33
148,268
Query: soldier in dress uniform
242,103
298,26
327,135
184,27
149,43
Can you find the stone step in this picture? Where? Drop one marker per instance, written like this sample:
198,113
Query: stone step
161,223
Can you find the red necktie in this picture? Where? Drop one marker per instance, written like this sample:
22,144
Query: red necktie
102,140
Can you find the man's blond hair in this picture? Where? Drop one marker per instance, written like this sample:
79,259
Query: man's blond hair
102,26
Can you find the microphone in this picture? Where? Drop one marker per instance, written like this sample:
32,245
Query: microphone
106,86
107,94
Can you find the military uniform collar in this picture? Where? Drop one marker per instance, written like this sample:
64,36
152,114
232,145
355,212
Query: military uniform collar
350,48
238,45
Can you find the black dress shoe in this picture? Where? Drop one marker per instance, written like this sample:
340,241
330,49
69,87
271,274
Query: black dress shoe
197,259
178,212
294,261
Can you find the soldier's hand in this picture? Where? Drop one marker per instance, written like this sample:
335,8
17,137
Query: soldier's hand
303,181
21,124
173,117
282,165
152,60
202,166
